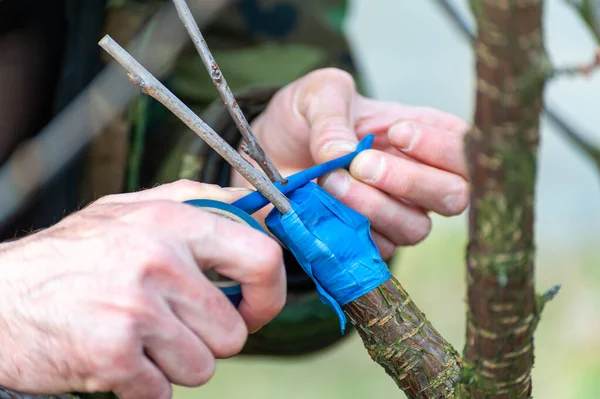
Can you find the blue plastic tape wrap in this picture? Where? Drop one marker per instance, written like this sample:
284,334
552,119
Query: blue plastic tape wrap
254,202
331,241
333,244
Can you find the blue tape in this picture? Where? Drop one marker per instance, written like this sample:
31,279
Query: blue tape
232,289
255,201
331,241
333,244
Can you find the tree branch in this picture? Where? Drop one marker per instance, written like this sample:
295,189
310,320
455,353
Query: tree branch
585,69
399,337
576,139
571,134
151,86
251,147
502,157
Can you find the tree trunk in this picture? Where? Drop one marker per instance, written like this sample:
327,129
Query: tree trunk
399,337
501,149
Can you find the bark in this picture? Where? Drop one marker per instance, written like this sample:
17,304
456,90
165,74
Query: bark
501,149
399,337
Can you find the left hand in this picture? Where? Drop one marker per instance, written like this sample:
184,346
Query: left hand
416,165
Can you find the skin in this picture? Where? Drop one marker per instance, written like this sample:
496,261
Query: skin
113,297
416,165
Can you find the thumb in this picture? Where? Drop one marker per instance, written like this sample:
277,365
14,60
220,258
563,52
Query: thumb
179,191
326,100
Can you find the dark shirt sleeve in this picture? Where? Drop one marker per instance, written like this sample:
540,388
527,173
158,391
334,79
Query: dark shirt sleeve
13,15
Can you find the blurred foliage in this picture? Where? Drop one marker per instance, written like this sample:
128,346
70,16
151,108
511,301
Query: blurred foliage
297,58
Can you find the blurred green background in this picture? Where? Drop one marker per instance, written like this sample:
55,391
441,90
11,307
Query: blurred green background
409,52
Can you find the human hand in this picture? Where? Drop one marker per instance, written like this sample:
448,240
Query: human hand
113,297
416,164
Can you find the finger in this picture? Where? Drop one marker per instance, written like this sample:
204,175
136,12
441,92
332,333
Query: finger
232,249
325,99
179,353
146,382
387,249
422,185
376,116
262,277
397,222
179,191
254,260
210,315
429,144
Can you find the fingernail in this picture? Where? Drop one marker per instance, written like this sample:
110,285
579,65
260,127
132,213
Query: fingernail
404,135
369,166
339,146
337,184
256,330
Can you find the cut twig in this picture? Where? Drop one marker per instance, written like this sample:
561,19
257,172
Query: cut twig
151,86
585,69
252,147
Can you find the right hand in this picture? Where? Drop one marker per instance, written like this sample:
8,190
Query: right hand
113,297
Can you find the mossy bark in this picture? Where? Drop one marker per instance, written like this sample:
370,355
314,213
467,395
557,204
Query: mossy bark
399,337
501,148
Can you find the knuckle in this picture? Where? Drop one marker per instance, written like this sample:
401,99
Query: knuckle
128,329
271,253
159,211
268,259
189,185
97,383
154,212
405,184
334,74
113,356
154,259
428,115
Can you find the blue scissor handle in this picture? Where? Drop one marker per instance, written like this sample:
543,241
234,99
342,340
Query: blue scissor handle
255,201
